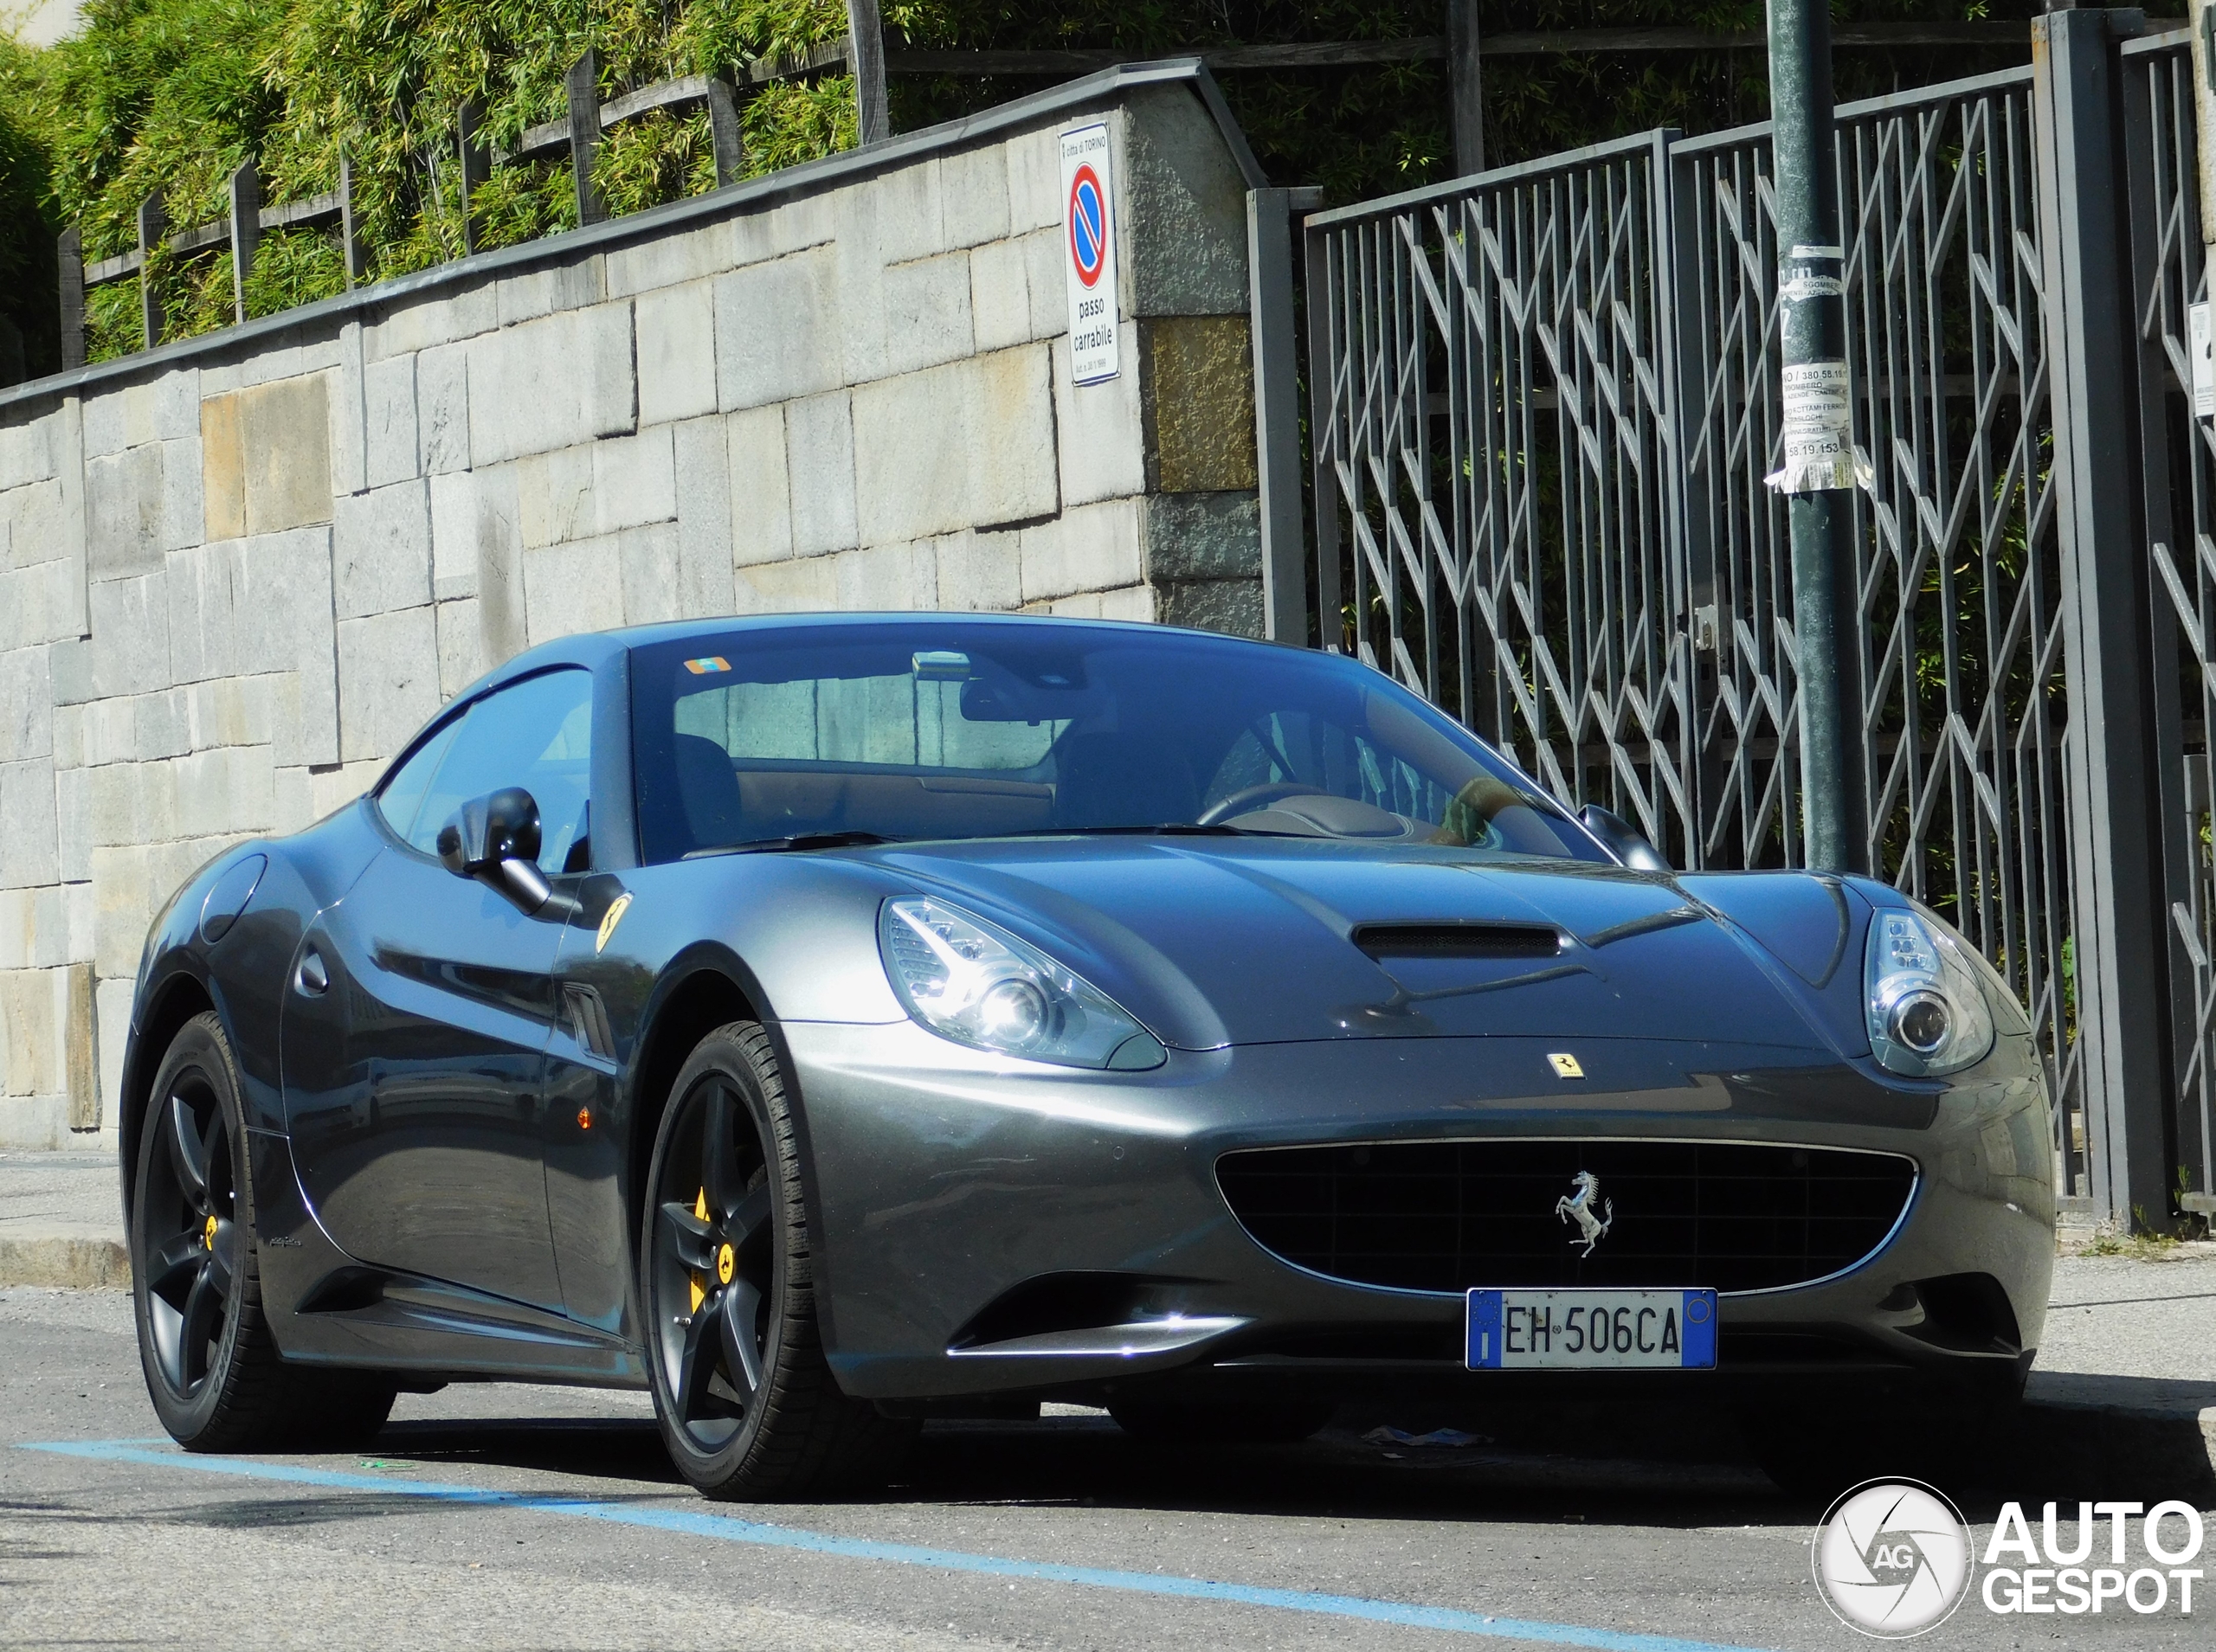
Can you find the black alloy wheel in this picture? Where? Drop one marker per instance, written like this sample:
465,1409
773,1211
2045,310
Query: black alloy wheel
747,1402
189,1194
712,1264
211,1363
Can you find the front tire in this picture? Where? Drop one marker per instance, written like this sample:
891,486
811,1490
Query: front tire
747,1403
211,1365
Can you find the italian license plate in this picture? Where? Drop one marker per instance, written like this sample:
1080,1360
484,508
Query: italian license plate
1592,1330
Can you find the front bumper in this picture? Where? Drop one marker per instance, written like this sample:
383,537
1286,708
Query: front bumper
945,1179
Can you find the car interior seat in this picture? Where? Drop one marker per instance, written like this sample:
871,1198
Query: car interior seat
709,789
1105,779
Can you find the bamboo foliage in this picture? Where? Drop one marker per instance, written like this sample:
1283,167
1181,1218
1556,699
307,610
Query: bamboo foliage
173,94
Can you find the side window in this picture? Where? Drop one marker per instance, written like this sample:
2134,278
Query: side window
401,798
537,734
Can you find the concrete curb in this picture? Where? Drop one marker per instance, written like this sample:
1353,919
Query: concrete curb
67,1263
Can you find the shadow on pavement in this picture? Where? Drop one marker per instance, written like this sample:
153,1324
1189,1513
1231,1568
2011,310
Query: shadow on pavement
1088,1461
2183,1395
1676,1469
616,1450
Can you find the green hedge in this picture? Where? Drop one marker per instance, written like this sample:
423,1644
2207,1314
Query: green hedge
173,94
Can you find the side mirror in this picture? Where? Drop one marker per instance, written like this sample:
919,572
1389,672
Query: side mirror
494,839
1623,840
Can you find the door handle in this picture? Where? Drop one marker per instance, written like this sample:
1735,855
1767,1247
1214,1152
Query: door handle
312,979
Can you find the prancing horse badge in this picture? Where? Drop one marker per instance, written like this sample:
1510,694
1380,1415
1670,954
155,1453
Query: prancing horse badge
615,911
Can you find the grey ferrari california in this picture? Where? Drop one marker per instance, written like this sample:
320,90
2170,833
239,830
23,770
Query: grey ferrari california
829,1022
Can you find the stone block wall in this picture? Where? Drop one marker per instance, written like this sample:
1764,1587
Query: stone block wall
236,575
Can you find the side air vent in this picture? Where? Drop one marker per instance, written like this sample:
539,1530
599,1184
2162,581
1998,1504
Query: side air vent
1069,1301
345,1291
1967,1314
1383,940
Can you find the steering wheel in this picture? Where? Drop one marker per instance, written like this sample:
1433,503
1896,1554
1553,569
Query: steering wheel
1254,797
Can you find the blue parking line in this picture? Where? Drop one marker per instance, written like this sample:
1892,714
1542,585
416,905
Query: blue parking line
726,1529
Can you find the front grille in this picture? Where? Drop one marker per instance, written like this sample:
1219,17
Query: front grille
1447,1216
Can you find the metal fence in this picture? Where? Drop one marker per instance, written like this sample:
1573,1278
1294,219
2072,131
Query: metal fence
1544,400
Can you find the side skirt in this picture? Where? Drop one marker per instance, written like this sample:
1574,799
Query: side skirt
326,1309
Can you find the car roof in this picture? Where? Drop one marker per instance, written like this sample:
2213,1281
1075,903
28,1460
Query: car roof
596,648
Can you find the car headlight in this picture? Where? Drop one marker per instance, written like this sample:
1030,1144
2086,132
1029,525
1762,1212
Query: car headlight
974,983
1928,1011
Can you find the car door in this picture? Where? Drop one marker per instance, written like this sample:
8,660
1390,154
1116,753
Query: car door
415,1032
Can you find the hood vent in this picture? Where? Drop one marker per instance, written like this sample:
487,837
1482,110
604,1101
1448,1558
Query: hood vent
1383,940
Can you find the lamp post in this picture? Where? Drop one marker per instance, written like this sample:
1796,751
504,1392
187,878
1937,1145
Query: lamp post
1819,456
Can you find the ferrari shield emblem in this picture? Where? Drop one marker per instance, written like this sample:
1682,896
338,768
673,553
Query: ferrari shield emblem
1564,1067
615,911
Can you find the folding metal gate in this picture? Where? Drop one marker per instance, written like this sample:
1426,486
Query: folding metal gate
1543,400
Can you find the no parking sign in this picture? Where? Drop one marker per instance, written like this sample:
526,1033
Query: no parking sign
1089,253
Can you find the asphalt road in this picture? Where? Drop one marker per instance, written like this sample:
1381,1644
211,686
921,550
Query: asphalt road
543,1518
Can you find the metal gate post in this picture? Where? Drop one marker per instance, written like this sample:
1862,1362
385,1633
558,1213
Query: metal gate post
1689,575
2117,930
1323,369
2176,824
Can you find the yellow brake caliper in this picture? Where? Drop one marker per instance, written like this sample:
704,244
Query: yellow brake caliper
701,1210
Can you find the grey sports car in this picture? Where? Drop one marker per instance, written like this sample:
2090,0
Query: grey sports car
828,1022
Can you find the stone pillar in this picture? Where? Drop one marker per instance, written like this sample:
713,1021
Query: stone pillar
1184,266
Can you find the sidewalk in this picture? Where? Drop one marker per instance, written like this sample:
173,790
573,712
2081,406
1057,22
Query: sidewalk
62,1220
2125,1382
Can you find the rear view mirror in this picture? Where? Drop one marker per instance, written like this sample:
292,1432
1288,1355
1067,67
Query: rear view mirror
1623,840
494,839
940,666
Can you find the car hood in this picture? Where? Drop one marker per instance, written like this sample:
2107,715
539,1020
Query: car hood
1216,942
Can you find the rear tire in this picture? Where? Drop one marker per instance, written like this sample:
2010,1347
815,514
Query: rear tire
747,1406
211,1365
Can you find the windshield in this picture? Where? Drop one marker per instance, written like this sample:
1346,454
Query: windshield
942,728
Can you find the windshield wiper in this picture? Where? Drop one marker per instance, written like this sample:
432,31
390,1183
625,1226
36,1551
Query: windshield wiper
799,842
